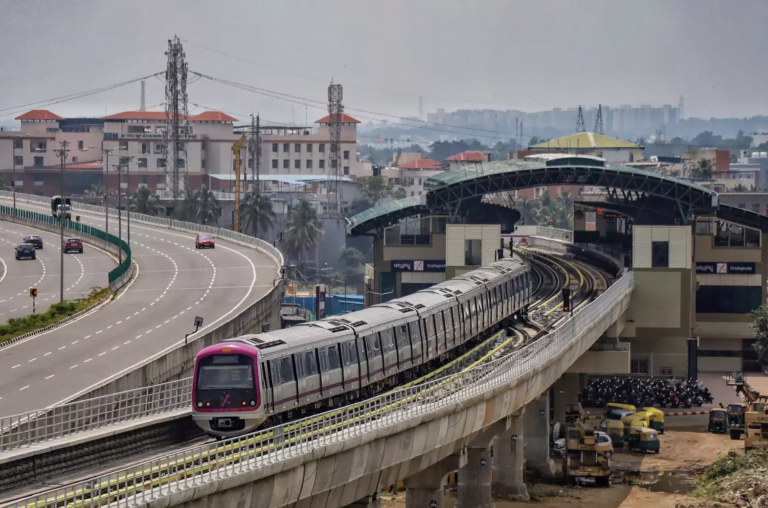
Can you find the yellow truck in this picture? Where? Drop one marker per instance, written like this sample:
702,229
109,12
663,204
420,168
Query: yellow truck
585,458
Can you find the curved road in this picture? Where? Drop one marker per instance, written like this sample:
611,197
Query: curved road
176,282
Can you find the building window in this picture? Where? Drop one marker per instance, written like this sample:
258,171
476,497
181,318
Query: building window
346,170
346,155
274,147
38,162
412,193
321,164
18,143
142,178
143,162
397,181
274,163
473,250
297,164
74,159
202,164
159,149
18,160
297,147
419,181
660,254
309,147
321,148
38,146
286,164
123,145
286,147
756,208
144,148
309,163
160,163
80,144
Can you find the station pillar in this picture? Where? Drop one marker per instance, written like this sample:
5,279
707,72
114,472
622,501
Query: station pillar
566,391
373,501
508,460
475,475
536,426
425,488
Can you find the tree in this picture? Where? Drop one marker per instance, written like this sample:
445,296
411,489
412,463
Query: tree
703,169
96,190
257,212
145,202
209,208
302,229
559,211
354,270
189,208
352,257
400,193
502,149
441,150
534,141
529,210
760,326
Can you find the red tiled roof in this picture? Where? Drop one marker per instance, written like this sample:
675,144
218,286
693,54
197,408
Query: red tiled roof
212,116
421,164
39,114
467,157
344,119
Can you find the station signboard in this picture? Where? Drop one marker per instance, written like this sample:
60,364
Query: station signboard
734,268
423,265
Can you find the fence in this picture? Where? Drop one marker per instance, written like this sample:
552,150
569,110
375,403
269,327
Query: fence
117,277
564,235
162,222
34,427
193,467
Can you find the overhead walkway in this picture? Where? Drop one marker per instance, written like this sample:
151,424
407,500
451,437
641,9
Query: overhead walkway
450,189
349,454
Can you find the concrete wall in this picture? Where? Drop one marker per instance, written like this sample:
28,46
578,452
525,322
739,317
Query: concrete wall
602,362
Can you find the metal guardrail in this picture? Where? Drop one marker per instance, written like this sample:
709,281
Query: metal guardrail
163,222
564,235
34,427
193,467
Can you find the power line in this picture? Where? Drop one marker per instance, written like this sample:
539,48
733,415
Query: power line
65,98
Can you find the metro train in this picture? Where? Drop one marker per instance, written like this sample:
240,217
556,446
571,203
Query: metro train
269,378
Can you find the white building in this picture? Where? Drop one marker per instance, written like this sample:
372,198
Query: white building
412,175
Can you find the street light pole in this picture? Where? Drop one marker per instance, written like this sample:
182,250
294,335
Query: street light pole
13,183
62,154
125,162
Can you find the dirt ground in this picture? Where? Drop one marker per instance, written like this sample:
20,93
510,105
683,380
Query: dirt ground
684,450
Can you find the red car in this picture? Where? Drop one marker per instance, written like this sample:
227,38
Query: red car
73,244
204,241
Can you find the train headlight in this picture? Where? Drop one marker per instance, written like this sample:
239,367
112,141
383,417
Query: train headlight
243,402
253,402
199,404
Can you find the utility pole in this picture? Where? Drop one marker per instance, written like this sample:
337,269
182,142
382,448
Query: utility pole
335,116
251,152
13,183
258,155
177,127
62,154
124,163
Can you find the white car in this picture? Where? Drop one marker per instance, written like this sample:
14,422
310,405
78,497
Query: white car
602,438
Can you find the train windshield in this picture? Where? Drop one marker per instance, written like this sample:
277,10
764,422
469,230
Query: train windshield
223,372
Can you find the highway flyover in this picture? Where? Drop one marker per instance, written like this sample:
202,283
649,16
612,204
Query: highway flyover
175,282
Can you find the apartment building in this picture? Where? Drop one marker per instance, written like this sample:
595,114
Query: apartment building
305,150
412,175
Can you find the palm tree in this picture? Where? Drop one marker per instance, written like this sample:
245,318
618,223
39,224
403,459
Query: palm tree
302,229
96,190
209,207
145,202
529,210
189,208
559,212
256,212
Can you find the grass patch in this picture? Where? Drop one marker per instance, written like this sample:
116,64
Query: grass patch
55,313
735,477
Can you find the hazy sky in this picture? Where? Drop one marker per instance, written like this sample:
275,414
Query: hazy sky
528,55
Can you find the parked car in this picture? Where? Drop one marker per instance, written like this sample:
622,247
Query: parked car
26,251
602,438
34,240
205,241
73,244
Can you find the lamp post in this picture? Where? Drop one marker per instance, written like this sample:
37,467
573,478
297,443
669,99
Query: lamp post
62,154
106,152
13,183
125,162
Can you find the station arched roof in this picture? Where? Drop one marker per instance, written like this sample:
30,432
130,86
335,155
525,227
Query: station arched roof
449,189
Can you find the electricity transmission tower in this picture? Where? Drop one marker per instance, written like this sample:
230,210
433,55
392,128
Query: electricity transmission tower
335,110
177,126
599,129
580,122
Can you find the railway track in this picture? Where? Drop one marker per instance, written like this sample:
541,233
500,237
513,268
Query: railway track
133,481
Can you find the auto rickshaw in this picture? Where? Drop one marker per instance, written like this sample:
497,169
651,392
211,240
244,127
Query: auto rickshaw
657,418
612,405
615,430
643,439
718,421
641,419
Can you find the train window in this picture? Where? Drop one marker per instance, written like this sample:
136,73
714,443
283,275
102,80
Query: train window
373,343
333,358
401,332
415,331
349,353
308,363
274,368
387,341
285,370
322,355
